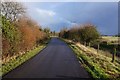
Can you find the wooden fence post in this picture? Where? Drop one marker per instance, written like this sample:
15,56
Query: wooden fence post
113,55
98,48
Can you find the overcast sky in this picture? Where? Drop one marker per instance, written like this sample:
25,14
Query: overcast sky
57,15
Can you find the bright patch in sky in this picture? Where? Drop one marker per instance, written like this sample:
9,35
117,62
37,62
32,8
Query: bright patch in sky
43,12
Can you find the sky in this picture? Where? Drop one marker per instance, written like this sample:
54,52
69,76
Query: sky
57,15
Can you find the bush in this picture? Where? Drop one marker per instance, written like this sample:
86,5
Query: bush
21,36
10,37
30,34
88,33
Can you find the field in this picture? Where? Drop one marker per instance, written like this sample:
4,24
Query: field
108,43
111,39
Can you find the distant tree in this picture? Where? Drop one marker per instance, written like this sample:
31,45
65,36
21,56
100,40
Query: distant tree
63,32
85,33
54,33
88,33
73,34
46,30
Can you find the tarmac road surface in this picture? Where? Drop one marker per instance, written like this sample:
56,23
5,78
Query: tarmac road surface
57,60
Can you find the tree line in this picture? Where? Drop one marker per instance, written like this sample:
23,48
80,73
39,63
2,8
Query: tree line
85,34
19,32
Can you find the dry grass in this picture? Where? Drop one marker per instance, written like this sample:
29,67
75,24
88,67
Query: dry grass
97,64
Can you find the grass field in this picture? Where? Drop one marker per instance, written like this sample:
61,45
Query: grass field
108,43
98,65
111,39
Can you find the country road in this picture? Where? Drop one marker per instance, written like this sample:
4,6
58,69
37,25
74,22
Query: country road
57,60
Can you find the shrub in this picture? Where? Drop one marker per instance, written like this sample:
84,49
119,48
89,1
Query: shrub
10,37
30,33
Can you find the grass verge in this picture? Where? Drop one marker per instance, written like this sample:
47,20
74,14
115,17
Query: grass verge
98,65
14,63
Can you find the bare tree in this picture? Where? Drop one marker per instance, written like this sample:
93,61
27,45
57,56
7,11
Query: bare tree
12,10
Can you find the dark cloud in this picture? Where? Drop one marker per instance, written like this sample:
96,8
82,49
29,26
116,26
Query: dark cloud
103,14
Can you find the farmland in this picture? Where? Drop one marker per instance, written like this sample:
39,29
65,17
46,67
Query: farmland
110,38
108,43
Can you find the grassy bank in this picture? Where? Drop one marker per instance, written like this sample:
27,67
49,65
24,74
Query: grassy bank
98,65
12,64
15,62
